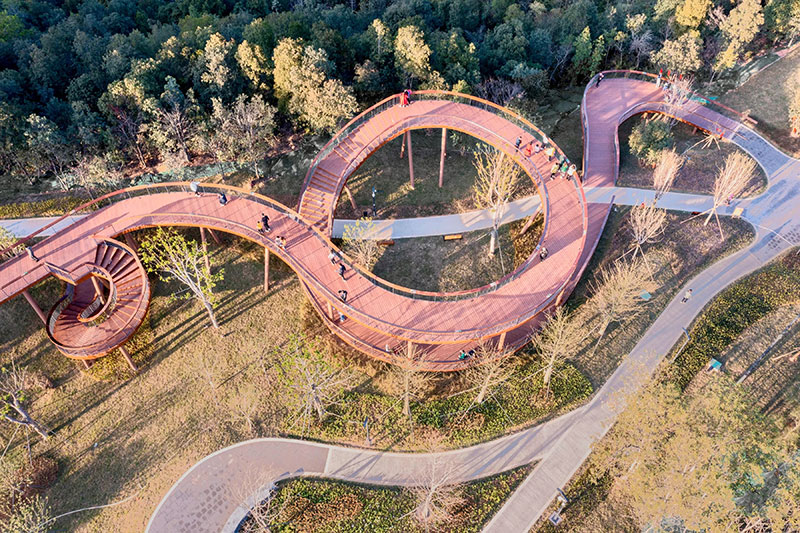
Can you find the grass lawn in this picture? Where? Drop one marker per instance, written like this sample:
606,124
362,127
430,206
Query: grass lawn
698,172
456,265
388,173
320,505
764,96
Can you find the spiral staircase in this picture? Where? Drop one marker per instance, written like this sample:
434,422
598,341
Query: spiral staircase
103,304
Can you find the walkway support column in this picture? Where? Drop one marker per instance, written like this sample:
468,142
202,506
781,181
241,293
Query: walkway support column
441,158
410,158
214,235
205,249
129,359
266,269
35,306
410,351
501,343
98,289
131,242
350,197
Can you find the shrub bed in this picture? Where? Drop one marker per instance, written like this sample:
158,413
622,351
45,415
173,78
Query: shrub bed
732,311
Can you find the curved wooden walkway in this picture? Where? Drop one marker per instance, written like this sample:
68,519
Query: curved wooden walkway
201,501
382,320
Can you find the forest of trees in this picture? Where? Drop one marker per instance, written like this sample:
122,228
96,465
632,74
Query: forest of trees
88,87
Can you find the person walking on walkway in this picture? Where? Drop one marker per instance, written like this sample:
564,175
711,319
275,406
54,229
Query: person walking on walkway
563,169
33,257
404,99
333,257
599,79
195,188
281,242
686,296
518,142
343,295
543,253
223,199
529,149
265,222
660,75
554,170
571,171
342,270
550,151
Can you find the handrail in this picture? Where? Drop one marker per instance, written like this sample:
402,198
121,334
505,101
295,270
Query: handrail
704,100
106,307
394,99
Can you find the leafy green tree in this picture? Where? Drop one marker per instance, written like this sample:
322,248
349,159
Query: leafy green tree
681,54
691,13
301,82
707,458
412,54
47,149
581,61
253,64
175,258
648,139
738,29
216,59
11,27
175,126
243,131
782,19
455,57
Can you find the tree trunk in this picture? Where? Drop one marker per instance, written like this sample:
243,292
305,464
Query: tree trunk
406,393
210,311
484,389
548,372
602,332
493,242
26,418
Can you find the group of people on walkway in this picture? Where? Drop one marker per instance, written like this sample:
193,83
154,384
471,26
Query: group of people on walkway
563,169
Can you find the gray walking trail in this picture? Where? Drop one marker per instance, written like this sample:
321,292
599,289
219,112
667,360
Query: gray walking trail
403,228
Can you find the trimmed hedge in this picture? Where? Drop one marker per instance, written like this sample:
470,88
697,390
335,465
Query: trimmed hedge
732,311
322,505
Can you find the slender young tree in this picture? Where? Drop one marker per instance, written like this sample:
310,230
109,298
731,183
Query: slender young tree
13,381
412,380
436,495
495,185
560,338
6,240
647,224
359,242
617,293
318,387
497,368
669,164
173,257
731,181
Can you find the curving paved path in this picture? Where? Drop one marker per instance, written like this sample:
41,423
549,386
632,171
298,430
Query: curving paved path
562,444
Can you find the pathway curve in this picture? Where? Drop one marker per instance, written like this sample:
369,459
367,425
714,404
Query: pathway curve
201,501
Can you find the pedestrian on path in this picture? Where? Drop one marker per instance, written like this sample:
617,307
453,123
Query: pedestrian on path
265,222
342,318
599,79
529,149
343,295
195,188
563,169
333,257
537,147
222,199
686,296
404,99
554,170
660,75
550,151
281,242
31,254
518,142
543,253
342,270
571,171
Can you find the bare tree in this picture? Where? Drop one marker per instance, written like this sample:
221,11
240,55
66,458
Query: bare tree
617,293
647,224
13,380
732,180
129,128
31,515
412,379
7,239
257,491
677,94
174,257
499,90
359,242
641,45
436,495
559,339
495,368
669,164
318,387
495,184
